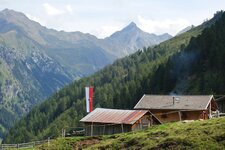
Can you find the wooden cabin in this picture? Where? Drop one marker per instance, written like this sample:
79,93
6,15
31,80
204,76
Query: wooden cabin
110,121
177,108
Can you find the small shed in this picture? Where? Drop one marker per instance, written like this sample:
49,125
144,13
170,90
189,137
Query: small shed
221,103
103,121
169,108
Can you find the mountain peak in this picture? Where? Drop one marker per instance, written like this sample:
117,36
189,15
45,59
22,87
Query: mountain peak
132,27
132,24
6,10
11,12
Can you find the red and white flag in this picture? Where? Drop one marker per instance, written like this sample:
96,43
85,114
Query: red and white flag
89,98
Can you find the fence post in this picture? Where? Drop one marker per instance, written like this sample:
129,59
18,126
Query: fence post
62,132
48,141
65,132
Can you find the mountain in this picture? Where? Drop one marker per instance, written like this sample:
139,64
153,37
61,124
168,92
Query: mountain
25,80
185,29
71,50
79,52
36,61
119,85
131,38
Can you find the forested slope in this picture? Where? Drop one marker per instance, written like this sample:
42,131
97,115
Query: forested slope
119,85
199,68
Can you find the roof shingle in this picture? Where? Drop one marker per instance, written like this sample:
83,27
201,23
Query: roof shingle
115,116
187,102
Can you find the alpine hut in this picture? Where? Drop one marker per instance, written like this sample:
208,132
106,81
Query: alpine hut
169,108
103,121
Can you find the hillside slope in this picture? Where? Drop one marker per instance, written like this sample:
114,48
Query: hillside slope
199,68
208,134
24,81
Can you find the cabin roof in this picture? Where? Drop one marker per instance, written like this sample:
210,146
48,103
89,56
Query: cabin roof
114,116
169,102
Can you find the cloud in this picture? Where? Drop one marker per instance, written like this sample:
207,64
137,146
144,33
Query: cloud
162,26
36,19
107,31
69,8
53,11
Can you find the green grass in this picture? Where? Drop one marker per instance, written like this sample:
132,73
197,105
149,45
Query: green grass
209,134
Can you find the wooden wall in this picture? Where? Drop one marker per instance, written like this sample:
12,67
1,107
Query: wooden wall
173,115
144,122
105,129
194,115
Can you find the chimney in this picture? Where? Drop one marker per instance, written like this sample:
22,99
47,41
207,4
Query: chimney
173,100
176,100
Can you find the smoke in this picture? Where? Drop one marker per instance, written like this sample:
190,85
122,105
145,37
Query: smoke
183,63
181,68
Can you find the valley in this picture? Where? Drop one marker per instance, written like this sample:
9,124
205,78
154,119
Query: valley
37,62
153,80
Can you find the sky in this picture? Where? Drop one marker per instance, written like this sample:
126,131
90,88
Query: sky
103,17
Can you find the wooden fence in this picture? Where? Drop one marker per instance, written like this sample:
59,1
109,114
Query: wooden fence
23,145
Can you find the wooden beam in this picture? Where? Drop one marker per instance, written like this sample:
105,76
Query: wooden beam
151,120
179,113
122,128
210,110
104,130
92,129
